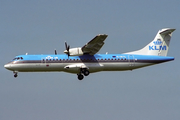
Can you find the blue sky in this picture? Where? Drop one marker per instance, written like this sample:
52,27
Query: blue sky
40,26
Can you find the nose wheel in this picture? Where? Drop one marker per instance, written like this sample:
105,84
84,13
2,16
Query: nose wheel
15,74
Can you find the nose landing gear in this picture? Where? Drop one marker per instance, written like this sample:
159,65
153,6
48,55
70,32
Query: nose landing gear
15,74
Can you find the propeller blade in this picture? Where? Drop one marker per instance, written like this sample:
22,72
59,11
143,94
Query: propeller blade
66,45
67,49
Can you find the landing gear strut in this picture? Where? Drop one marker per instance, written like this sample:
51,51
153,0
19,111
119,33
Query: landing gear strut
83,71
15,74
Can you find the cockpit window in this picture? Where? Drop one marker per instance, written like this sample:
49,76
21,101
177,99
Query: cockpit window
18,58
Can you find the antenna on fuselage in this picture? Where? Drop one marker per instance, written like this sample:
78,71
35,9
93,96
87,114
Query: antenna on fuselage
55,52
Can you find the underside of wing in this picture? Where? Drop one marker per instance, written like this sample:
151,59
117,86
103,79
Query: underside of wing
93,46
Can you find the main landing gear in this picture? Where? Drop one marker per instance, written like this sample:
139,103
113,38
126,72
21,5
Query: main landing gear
15,74
83,71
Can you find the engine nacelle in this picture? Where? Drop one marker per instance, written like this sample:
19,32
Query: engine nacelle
75,52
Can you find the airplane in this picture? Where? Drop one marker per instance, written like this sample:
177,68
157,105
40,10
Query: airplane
85,60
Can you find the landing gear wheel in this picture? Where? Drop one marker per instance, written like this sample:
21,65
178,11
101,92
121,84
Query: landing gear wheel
80,77
86,72
15,75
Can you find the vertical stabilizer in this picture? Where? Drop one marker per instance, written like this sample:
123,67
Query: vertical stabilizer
159,46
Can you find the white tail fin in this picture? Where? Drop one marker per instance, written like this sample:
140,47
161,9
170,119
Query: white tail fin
159,46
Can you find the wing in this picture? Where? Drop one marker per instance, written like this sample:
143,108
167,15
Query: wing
93,46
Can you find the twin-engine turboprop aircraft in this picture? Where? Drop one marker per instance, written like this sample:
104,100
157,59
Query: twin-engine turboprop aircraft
84,60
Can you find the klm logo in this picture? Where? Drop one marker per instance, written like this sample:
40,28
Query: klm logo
157,42
157,46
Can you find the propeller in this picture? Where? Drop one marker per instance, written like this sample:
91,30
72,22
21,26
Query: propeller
67,49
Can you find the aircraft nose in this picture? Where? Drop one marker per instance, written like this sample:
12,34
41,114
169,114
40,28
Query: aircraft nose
7,66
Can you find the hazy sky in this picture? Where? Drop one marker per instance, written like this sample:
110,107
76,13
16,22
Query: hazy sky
40,26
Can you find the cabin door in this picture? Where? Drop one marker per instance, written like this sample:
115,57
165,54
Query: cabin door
131,60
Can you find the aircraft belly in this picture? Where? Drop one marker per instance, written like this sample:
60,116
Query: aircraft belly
122,66
140,65
116,66
39,67
96,68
